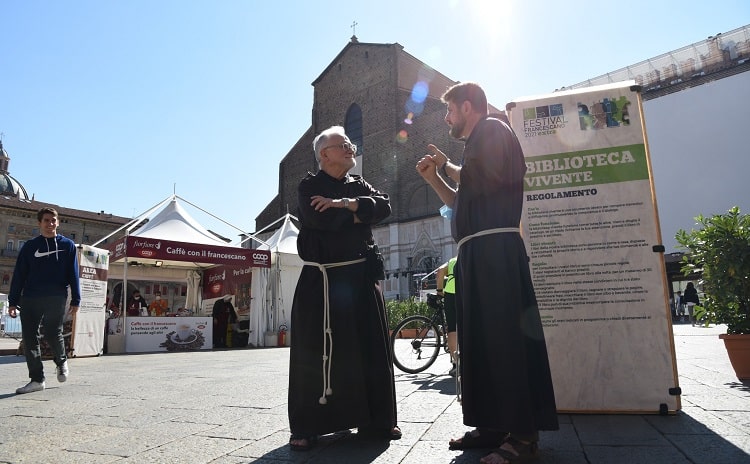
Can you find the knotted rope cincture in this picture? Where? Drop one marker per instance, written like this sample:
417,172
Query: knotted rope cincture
499,230
327,332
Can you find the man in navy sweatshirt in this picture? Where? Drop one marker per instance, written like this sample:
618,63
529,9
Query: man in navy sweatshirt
47,267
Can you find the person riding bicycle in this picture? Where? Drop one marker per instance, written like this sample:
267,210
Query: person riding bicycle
446,287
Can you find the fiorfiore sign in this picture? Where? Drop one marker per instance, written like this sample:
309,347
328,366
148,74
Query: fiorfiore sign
150,248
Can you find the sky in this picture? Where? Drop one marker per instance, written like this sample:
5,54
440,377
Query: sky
115,106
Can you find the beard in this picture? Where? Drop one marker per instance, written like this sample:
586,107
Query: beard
457,129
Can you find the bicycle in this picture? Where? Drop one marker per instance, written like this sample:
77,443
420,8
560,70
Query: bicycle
416,341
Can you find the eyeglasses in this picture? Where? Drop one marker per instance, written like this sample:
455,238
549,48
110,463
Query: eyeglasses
346,146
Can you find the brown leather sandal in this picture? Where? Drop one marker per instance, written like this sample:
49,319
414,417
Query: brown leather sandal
512,451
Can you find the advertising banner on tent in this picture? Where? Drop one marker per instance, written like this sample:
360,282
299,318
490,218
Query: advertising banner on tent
591,230
228,280
88,322
152,248
148,334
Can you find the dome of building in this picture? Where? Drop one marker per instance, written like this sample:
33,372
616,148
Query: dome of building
8,185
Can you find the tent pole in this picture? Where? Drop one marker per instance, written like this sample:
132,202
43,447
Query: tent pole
134,222
123,296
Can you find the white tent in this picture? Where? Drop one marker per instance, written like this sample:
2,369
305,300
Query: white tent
273,288
172,247
174,222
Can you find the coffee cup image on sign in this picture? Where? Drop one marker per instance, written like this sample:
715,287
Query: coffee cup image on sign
184,331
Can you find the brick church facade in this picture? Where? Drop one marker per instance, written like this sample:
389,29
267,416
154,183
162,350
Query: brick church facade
389,103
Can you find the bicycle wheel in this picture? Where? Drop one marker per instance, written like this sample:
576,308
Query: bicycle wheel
416,344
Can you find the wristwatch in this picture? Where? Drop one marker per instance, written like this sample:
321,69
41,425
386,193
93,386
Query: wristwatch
346,202
442,168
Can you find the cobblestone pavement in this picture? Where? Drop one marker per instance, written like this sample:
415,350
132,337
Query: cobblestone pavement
229,407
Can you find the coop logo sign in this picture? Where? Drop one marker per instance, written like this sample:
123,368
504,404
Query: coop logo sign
262,258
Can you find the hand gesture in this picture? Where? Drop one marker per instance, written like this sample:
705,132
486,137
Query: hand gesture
427,166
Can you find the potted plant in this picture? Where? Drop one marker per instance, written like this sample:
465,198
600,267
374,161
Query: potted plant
720,253
397,310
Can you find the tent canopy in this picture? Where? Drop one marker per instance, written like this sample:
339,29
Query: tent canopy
173,237
173,222
284,240
273,288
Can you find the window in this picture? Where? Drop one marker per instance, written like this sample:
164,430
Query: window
9,245
11,228
20,243
72,235
353,126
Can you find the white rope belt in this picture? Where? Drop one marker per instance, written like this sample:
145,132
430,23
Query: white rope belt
327,332
499,230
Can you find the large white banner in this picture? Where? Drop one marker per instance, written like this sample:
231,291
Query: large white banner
88,322
591,229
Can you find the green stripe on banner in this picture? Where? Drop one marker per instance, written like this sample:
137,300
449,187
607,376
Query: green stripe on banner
589,167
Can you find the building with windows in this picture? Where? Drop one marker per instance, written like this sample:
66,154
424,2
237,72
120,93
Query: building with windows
389,103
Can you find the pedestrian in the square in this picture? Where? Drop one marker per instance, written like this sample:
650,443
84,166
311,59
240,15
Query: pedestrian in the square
46,271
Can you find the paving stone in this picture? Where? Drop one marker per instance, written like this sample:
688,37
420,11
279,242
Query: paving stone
630,454
229,407
618,430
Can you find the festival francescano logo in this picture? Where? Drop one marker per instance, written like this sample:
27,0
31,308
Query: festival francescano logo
543,120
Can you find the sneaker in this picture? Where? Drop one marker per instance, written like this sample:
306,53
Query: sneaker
30,387
62,372
452,372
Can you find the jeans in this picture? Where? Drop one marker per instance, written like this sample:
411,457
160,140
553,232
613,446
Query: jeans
49,310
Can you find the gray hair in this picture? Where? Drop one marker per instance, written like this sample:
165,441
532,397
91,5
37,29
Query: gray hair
322,138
